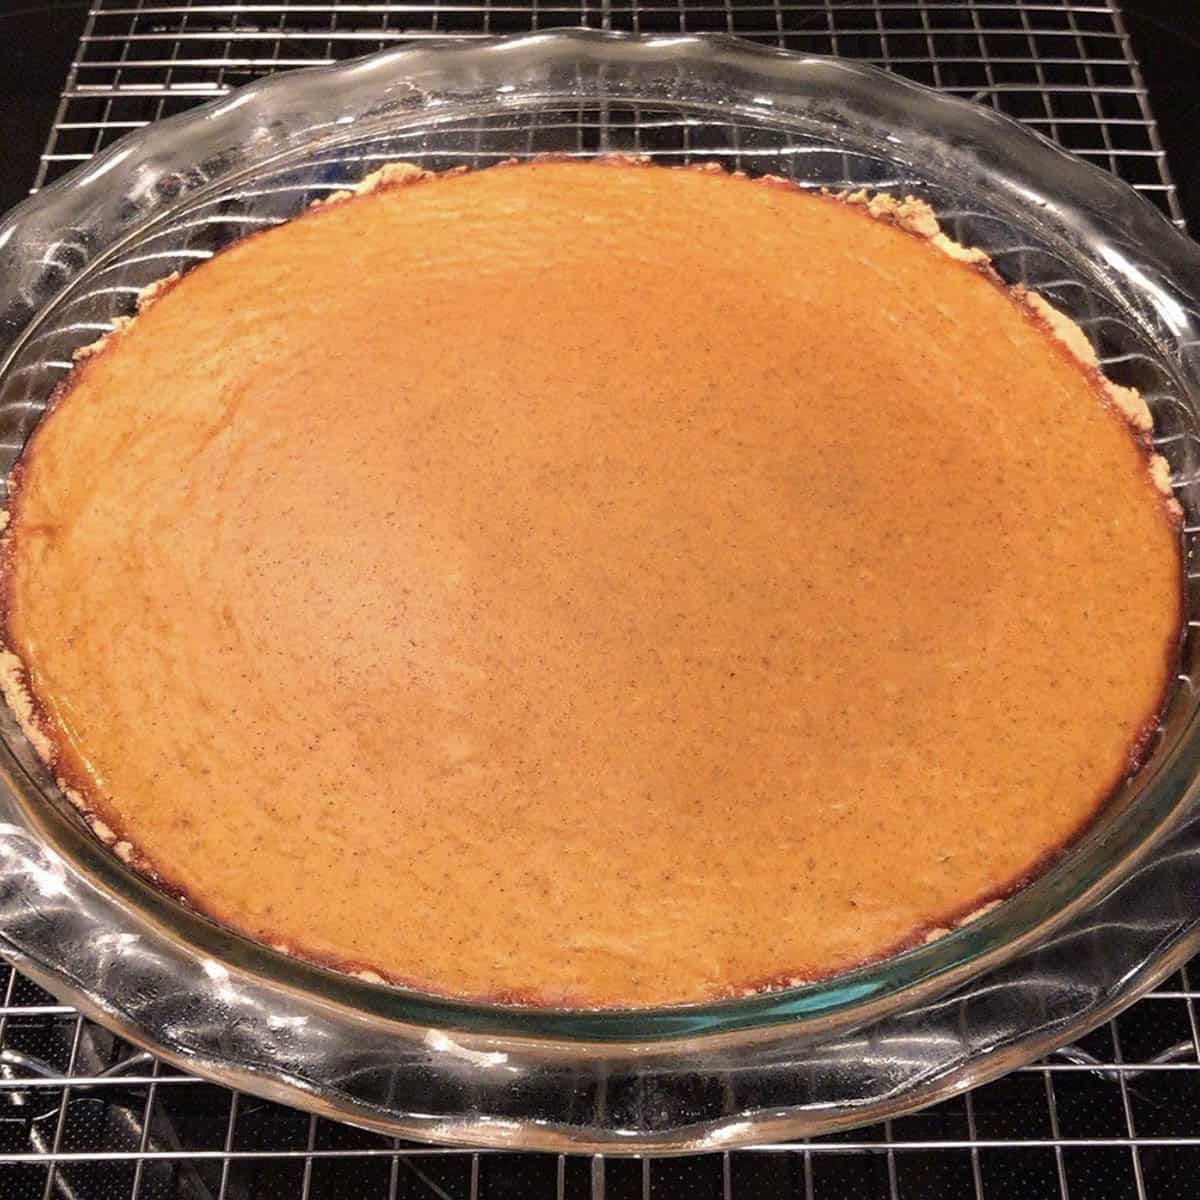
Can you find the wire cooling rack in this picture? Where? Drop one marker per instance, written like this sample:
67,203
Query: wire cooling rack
1065,68
85,1115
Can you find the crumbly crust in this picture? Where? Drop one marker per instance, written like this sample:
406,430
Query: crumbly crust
14,684
913,215
916,217
142,301
389,175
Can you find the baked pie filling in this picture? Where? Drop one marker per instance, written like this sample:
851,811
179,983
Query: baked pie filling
591,584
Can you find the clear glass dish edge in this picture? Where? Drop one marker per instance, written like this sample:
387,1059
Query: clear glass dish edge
1167,278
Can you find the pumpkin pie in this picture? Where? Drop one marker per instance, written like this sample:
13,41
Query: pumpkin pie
591,584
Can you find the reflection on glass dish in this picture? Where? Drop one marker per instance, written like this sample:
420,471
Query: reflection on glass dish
776,1064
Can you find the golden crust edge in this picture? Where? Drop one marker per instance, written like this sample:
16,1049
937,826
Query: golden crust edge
911,214
142,301
14,686
398,174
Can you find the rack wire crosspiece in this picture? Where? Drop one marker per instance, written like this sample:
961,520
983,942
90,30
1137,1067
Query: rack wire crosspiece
84,1114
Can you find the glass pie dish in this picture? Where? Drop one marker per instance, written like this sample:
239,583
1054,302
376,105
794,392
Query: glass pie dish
1114,914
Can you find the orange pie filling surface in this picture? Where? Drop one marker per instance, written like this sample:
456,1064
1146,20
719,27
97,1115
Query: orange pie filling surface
591,584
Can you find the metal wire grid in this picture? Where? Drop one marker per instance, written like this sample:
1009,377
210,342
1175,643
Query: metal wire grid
1066,68
85,1115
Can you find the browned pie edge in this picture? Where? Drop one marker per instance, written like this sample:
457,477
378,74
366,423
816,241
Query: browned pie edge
913,216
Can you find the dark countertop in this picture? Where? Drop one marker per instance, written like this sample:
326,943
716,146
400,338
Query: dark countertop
37,43
38,39
1166,39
